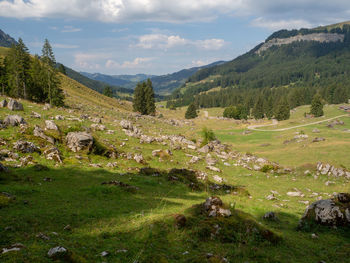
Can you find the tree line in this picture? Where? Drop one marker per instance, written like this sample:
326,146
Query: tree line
31,78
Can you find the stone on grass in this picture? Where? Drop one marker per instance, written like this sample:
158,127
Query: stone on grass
270,216
139,158
78,141
14,120
38,132
57,252
14,105
50,125
3,103
26,147
213,168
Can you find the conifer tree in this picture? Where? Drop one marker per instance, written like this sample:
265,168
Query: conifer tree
149,98
37,80
54,93
317,106
139,101
191,112
283,110
258,110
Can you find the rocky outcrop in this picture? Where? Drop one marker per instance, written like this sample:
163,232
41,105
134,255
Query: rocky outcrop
26,147
38,132
213,206
14,105
14,120
50,125
77,141
318,37
3,103
332,212
327,169
53,154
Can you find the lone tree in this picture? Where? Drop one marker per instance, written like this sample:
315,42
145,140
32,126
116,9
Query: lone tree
283,110
317,106
191,112
144,101
107,91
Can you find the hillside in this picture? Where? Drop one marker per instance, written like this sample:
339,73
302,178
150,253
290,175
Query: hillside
163,85
97,85
315,58
6,40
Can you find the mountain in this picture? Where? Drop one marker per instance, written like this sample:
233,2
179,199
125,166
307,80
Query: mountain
163,84
317,59
6,40
99,86
126,81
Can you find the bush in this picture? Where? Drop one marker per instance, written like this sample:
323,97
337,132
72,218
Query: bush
191,112
208,136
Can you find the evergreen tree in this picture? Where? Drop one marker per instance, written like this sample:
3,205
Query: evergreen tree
191,112
149,98
107,91
54,93
317,106
62,69
258,110
3,76
268,107
139,104
283,110
37,80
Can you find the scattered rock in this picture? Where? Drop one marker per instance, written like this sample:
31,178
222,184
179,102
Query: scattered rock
42,236
213,168
214,207
53,154
316,130
139,158
123,185
14,120
35,115
318,139
38,132
271,197
270,216
295,194
57,252
26,147
14,105
50,125
3,103
77,141
332,212
59,117
14,247
218,179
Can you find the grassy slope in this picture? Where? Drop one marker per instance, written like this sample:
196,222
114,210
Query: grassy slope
108,218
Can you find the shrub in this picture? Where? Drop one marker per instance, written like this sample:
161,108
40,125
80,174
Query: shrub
208,136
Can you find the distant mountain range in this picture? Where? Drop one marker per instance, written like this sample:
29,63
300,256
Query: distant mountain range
6,40
164,84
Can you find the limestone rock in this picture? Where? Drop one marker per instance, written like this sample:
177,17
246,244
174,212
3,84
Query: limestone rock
14,105
77,141
50,125
3,103
26,147
35,115
14,120
38,132
57,252
139,158
213,206
53,154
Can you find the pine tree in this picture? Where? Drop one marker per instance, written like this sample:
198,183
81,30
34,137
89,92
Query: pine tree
139,101
268,107
107,91
283,110
37,80
258,110
54,93
317,106
3,76
191,112
149,98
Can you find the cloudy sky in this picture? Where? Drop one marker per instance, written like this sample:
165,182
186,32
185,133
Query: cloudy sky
157,36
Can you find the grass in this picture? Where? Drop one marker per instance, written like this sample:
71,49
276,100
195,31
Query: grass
139,226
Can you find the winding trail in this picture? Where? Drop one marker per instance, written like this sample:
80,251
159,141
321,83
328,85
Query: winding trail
275,122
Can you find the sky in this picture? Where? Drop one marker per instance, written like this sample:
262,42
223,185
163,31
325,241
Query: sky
157,36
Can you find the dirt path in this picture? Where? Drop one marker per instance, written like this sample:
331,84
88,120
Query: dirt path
275,122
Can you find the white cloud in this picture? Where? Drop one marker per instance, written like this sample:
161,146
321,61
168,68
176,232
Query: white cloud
64,46
164,42
279,24
137,63
88,61
275,11
70,29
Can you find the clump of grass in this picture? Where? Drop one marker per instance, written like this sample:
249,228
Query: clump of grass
208,135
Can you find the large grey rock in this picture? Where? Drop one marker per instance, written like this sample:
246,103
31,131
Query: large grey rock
77,141
53,154
38,132
14,105
26,147
57,252
3,103
14,120
50,125
333,212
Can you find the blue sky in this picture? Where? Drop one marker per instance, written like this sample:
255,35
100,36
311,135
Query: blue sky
157,36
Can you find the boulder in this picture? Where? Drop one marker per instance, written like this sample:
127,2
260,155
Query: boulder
38,132
139,158
77,141
98,127
50,125
318,139
35,115
3,103
14,120
53,154
26,147
14,105
57,252
213,168
331,212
